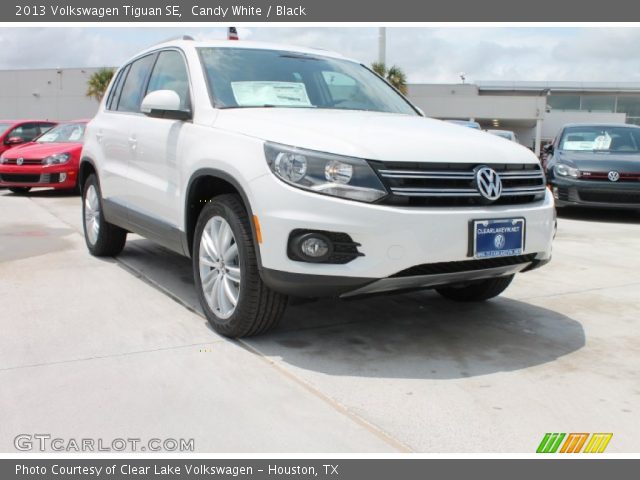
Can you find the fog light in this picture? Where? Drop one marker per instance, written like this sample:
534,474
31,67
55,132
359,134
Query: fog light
63,177
555,193
311,247
314,247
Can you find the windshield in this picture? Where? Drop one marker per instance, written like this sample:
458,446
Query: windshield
65,133
507,135
465,123
242,77
594,138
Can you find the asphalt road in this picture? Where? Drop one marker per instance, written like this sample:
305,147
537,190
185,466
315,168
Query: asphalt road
94,348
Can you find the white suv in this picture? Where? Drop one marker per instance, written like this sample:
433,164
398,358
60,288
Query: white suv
297,172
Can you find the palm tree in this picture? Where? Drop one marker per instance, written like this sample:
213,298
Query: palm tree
98,83
394,75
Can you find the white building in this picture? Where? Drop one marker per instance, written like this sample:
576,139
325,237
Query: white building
535,111
48,94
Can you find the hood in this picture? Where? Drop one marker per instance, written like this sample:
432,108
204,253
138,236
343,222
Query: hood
601,162
373,135
36,151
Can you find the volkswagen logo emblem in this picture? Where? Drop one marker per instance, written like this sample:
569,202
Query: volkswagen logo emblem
499,241
488,183
613,176
20,161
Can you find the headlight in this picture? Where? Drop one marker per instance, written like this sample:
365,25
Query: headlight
563,170
57,159
3,160
326,173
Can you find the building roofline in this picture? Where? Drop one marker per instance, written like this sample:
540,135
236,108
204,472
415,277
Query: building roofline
542,86
562,86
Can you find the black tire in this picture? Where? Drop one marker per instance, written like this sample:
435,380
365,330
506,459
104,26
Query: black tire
20,190
477,291
258,308
110,239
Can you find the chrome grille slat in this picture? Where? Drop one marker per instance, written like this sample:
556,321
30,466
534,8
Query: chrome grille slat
453,184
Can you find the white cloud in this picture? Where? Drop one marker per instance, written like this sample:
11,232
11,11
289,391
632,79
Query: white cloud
426,54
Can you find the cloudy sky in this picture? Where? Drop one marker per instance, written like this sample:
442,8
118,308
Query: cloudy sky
426,54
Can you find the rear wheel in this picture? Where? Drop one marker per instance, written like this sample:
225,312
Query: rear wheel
233,296
103,239
20,190
477,291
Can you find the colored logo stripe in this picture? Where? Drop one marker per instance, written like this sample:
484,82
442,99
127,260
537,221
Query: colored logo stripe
598,442
574,443
550,443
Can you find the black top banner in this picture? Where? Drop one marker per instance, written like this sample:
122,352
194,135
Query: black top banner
225,11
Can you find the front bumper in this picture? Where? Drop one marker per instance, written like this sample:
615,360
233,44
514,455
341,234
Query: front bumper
595,193
302,285
392,239
55,176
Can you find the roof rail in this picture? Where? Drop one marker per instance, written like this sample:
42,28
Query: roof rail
179,37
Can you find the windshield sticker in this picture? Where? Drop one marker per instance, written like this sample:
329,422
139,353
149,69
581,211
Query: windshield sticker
76,135
602,142
281,94
48,137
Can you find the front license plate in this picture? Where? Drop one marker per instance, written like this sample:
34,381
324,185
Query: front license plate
498,238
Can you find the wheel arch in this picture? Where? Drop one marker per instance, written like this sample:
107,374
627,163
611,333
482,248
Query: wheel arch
205,184
86,168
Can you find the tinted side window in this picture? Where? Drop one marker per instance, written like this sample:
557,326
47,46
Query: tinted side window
26,131
134,84
170,73
45,127
114,94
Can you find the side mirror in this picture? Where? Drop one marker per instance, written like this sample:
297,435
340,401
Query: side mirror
548,148
164,104
14,141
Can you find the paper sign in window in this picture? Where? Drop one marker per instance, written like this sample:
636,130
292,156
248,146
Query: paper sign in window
281,94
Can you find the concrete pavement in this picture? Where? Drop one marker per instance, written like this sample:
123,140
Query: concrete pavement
107,348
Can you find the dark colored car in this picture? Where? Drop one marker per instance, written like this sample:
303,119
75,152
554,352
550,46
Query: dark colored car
17,132
595,165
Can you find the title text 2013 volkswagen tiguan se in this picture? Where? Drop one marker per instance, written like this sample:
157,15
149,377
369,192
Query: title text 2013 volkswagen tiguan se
296,172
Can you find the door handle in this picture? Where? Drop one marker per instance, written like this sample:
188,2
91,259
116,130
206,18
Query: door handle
133,142
99,136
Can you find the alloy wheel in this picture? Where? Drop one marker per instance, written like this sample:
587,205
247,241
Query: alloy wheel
219,264
92,214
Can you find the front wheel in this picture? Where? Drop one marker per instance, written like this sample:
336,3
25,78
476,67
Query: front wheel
477,291
20,190
234,298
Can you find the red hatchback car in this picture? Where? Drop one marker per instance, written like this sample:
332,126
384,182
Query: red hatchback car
50,161
17,132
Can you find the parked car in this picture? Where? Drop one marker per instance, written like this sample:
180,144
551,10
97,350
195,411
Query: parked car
298,172
506,134
51,160
466,123
14,132
595,165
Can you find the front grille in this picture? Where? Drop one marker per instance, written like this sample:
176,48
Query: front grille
464,266
25,161
604,176
609,197
453,184
19,178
